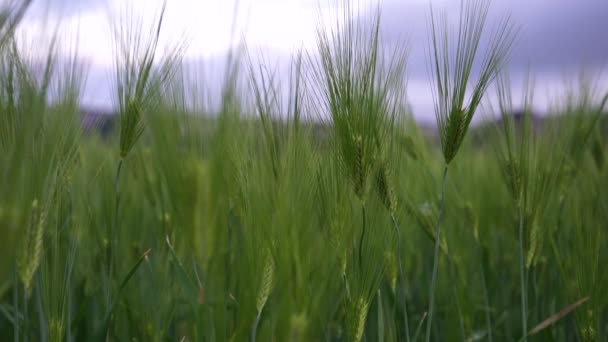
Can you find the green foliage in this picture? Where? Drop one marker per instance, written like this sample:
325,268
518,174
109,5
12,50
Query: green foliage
253,222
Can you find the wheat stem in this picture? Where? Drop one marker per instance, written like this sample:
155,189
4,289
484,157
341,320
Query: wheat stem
111,237
16,306
41,319
398,252
429,322
254,330
26,316
522,273
362,236
486,298
451,268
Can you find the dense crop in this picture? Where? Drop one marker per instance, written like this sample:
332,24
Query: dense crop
255,222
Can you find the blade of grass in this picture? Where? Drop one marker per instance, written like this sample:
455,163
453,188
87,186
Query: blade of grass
380,318
419,328
554,318
102,334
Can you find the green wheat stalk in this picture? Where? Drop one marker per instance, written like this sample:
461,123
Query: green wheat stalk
451,72
140,77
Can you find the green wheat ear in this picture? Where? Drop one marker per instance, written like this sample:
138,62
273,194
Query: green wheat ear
266,284
453,133
385,189
451,70
513,174
139,75
360,173
32,247
359,85
131,127
358,318
535,244
391,269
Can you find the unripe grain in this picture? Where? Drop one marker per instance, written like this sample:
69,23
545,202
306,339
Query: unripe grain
266,284
31,251
385,190
359,316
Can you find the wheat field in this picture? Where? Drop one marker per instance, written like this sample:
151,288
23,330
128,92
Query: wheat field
320,213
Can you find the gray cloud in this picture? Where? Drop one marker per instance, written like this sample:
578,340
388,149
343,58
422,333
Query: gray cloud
567,34
552,34
555,35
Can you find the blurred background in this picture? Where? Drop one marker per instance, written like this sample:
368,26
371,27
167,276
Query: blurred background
557,38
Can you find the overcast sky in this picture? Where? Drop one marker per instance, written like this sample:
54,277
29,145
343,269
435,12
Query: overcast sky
556,36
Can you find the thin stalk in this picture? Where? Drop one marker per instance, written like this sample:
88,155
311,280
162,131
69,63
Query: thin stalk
380,318
486,298
16,306
458,306
346,286
68,329
254,330
419,328
104,332
362,236
41,319
111,236
25,316
522,273
429,322
401,281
